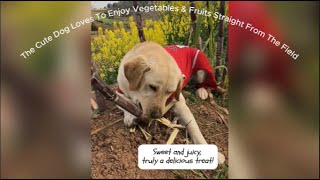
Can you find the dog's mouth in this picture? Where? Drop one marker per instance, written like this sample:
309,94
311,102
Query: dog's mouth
143,118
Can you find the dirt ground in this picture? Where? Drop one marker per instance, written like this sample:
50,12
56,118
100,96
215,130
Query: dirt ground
115,149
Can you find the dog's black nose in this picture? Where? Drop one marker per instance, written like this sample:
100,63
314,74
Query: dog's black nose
155,114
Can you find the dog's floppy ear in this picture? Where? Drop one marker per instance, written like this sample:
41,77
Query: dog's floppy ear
134,71
179,88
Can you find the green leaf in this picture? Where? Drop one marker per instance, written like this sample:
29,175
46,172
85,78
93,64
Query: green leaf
206,44
221,66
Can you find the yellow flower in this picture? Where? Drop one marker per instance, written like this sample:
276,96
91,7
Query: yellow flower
102,75
121,24
110,45
114,24
100,31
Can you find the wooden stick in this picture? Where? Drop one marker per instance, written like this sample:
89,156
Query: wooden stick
139,22
99,85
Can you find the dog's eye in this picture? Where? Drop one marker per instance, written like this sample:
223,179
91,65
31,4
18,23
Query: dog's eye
153,88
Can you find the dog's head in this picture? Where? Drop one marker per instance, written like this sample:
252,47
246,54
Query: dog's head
152,80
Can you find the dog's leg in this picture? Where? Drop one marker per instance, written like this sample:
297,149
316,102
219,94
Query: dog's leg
201,76
128,117
182,110
201,92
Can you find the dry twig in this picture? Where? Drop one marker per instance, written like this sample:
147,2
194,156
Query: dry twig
145,133
99,129
205,174
173,136
198,174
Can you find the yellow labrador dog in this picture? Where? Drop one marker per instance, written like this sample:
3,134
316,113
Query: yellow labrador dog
148,75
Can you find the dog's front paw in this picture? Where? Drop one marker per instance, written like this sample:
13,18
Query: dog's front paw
221,158
202,93
129,119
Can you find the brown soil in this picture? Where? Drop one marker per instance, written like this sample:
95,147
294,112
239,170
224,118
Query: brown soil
115,149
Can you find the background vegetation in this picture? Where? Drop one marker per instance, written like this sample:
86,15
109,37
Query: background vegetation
114,36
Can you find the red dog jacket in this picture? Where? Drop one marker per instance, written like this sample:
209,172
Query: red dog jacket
190,60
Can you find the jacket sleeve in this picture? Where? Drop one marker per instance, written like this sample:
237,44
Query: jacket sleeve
202,63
